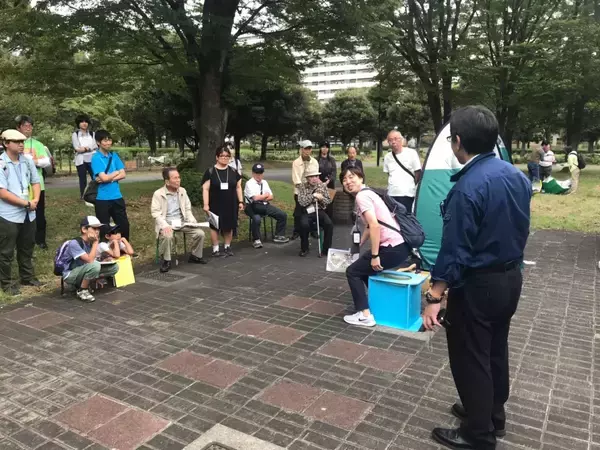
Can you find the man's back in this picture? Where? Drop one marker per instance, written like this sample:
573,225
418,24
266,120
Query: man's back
500,195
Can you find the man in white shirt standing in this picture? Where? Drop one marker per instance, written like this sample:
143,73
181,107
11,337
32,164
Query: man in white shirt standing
403,167
258,194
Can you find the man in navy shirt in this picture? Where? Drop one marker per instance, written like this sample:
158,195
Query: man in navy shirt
108,169
486,226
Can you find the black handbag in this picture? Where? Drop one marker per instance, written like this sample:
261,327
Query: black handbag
91,190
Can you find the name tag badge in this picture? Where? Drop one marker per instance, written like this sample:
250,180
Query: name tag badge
356,237
224,186
310,209
25,193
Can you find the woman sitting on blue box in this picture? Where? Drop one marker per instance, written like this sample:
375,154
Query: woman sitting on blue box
388,249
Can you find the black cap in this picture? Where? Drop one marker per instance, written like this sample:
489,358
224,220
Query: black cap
109,229
258,168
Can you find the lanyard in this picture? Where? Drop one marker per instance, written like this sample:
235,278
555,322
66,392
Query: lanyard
227,180
19,174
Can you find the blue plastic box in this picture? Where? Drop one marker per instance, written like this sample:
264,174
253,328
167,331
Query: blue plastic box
395,299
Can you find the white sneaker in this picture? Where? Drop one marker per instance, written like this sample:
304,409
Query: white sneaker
257,244
91,205
360,319
85,296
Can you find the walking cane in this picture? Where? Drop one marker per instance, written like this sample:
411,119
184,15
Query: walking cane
318,227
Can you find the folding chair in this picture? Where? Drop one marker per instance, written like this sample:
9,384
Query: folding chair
264,223
174,246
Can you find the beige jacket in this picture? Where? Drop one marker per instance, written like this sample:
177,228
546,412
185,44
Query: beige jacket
159,208
299,168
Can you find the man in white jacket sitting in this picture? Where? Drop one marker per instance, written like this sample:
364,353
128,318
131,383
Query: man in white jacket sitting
172,210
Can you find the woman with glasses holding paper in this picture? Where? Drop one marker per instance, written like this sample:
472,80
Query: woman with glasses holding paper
223,199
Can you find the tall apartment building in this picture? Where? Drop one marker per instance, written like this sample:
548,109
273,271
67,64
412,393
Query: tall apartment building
332,73
335,73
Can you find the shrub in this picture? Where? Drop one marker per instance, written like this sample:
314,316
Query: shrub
191,180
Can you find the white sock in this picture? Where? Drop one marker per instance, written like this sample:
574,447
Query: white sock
215,248
227,245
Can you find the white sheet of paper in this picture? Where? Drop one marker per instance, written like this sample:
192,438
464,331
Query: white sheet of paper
196,224
176,223
213,220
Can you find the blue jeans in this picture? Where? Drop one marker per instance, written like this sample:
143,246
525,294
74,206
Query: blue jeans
534,171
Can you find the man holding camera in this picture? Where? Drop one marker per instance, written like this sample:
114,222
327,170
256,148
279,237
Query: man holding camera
486,224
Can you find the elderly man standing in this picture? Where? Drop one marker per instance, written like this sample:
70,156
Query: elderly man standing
36,151
403,167
172,210
304,164
19,198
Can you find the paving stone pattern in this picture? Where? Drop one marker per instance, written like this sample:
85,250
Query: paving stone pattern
256,343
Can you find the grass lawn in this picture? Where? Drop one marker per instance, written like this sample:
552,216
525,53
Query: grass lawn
578,212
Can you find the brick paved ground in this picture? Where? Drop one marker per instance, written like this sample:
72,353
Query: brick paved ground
256,343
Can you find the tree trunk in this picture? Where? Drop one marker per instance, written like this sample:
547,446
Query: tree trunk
263,147
447,95
591,146
575,122
435,107
217,22
181,145
167,139
159,141
151,136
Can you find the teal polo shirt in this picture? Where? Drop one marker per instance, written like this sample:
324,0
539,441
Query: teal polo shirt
107,191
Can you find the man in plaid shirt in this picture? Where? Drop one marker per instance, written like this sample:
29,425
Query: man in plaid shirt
313,198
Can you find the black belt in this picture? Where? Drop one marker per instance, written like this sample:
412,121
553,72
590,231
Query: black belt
497,268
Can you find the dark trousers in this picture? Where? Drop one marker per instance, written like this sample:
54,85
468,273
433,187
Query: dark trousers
82,171
359,271
22,237
297,208
406,201
257,211
479,315
40,219
105,209
305,221
545,172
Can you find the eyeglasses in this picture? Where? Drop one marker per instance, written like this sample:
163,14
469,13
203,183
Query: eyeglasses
449,138
16,142
223,156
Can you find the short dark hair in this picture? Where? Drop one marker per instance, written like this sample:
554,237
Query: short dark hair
354,171
166,173
324,144
82,118
568,149
477,128
23,119
101,135
222,149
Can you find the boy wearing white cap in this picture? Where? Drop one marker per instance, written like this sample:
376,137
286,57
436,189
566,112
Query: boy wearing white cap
19,197
78,259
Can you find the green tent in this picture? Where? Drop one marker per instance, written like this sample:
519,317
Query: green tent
440,164
551,185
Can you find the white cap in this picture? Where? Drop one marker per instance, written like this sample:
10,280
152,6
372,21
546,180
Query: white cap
90,221
305,143
13,135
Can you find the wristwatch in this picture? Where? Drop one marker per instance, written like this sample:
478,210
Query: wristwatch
28,205
431,300
374,256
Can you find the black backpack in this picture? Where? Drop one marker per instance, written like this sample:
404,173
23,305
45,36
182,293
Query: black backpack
580,160
61,261
410,228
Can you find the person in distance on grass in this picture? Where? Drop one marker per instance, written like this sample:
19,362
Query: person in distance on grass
486,219
19,197
78,259
171,209
258,194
